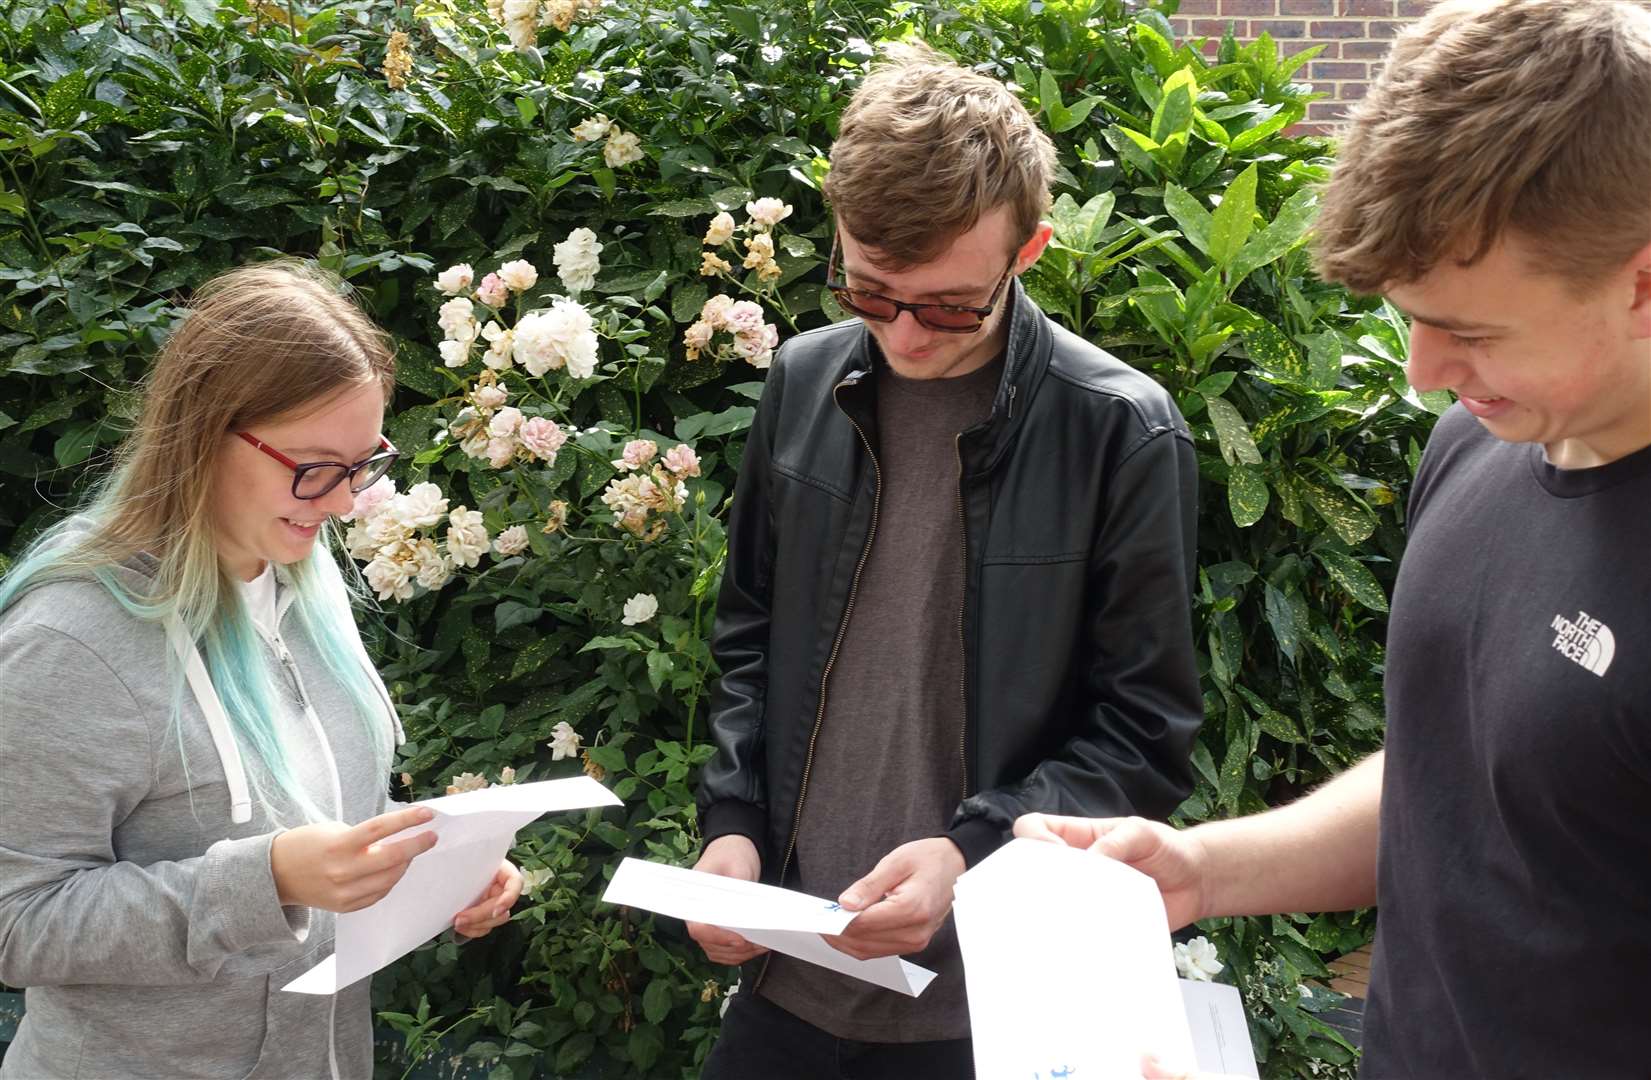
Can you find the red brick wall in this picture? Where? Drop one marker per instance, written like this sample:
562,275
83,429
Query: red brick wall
1355,35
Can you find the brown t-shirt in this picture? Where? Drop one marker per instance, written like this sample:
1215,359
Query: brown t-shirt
888,763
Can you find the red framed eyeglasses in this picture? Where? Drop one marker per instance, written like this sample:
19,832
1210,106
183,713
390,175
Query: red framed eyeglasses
313,479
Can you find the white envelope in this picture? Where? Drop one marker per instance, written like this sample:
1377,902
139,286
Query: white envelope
780,919
1067,960
474,830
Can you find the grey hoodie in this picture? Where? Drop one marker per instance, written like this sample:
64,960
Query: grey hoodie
140,917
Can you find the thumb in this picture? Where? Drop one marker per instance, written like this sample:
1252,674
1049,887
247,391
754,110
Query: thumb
1130,841
888,873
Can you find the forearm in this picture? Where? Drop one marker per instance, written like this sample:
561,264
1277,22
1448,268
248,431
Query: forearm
1316,854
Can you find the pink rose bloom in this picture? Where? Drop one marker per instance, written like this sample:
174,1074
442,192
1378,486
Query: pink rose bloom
492,291
745,317
505,422
501,452
682,460
542,437
367,502
489,397
638,452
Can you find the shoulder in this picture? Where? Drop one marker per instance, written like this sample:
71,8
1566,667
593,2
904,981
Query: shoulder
81,632
1458,446
814,361
1084,377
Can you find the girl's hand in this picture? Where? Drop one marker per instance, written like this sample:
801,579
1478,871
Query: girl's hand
493,909
338,867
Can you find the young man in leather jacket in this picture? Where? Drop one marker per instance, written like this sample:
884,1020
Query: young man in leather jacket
958,582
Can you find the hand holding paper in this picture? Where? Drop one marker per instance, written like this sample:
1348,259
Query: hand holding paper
1067,961
902,903
473,832
780,919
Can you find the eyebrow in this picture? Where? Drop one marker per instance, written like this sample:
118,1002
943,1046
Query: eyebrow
1446,323
870,279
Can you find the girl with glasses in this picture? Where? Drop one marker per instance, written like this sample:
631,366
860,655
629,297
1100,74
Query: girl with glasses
194,746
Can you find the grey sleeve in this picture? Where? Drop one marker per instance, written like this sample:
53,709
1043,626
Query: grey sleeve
76,759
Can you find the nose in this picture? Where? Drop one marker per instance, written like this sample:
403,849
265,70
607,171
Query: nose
905,334
339,501
1436,362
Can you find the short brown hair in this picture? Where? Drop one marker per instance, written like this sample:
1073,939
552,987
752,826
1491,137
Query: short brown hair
925,148
1497,116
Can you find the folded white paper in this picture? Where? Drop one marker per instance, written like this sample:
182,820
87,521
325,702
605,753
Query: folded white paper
1220,1035
780,919
1067,960
474,831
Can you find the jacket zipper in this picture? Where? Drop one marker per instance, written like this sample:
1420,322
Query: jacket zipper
962,635
825,676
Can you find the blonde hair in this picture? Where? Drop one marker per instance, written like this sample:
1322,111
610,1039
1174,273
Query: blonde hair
1496,116
277,339
924,149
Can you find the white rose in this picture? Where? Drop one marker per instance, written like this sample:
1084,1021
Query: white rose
455,279
359,544
521,22
499,341
592,129
457,320
455,353
576,260
390,578
639,609
622,148
434,570
518,275
467,539
489,397
564,741
420,506
768,212
563,336
721,230
536,879
513,541
1197,959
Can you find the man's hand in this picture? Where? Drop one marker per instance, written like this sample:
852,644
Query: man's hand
902,902
337,867
493,909
731,856
1174,859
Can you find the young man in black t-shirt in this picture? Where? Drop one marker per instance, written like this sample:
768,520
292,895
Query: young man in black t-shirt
1497,188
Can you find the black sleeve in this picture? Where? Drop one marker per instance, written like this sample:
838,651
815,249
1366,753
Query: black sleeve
1130,751
733,788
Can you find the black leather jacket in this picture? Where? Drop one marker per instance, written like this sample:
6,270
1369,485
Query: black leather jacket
1077,503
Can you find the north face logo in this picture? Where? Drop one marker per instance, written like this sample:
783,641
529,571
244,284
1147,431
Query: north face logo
1586,640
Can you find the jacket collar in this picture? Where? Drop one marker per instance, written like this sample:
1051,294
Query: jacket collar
1027,349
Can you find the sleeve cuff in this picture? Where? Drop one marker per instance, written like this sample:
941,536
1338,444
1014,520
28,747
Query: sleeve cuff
976,838
240,900
731,816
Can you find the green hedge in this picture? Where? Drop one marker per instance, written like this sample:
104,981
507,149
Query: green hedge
148,146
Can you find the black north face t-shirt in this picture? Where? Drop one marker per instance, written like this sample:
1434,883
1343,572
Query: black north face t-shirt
1514,930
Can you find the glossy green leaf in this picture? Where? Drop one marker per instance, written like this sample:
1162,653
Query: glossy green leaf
1355,578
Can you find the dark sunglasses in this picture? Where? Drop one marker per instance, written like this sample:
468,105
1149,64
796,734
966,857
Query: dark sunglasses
947,318
313,479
